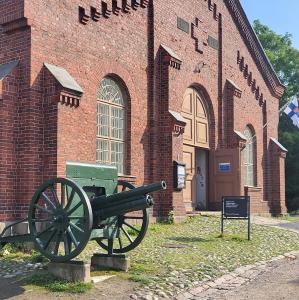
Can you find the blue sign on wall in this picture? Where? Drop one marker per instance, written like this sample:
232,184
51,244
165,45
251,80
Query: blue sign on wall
224,167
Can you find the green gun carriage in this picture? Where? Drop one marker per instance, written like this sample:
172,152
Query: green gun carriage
90,204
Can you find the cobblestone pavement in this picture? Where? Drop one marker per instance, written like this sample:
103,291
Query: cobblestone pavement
263,280
249,282
10,269
178,285
220,287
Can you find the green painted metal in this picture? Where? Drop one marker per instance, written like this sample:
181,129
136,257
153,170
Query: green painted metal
60,219
137,224
85,174
127,196
107,233
65,214
121,209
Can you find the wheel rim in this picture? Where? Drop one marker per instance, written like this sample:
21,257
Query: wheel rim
130,234
60,219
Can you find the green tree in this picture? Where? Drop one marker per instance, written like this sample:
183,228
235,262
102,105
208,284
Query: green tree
285,60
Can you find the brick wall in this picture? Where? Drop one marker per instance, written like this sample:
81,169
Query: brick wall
126,44
15,99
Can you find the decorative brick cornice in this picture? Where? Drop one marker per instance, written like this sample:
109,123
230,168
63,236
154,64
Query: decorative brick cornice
255,89
231,86
179,123
279,149
170,58
213,7
276,87
70,91
69,99
240,139
105,9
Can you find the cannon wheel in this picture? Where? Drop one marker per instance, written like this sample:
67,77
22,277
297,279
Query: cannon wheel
123,223
60,219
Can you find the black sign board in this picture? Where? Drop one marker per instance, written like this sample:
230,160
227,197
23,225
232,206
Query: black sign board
236,207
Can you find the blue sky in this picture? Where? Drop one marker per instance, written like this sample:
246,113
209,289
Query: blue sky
279,15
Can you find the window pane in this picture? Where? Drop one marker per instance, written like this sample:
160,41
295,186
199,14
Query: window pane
103,120
249,159
110,91
103,151
111,124
117,123
117,155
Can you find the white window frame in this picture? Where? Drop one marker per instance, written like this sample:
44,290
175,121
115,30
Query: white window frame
109,138
249,158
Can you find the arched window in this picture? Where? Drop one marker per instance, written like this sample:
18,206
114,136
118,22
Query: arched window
249,159
111,115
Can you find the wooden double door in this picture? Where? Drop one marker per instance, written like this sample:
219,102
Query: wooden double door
195,150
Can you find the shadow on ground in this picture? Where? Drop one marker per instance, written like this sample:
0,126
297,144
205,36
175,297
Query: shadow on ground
10,288
114,288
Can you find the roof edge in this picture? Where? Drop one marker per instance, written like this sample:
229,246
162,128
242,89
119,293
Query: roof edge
277,143
64,78
251,40
7,68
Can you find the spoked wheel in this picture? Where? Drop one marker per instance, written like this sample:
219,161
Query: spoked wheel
132,227
60,219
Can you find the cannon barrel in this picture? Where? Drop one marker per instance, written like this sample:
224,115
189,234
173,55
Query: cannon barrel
125,207
101,202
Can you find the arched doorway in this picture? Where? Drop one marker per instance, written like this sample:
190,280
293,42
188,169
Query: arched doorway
195,150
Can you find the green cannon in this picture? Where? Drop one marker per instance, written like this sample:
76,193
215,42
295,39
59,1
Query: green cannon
90,204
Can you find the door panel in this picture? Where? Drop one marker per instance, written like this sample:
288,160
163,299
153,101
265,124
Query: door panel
200,110
188,134
201,133
189,194
188,103
195,113
201,178
196,135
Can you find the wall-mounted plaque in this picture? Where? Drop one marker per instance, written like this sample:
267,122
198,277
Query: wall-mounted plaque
224,167
213,43
179,175
183,25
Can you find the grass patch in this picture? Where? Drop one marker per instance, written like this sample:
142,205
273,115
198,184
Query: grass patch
54,284
192,250
290,218
140,279
195,249
196,246
234,237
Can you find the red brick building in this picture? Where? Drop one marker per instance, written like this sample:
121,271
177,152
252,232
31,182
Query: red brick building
139,84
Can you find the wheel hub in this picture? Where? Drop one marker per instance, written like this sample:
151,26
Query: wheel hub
61,220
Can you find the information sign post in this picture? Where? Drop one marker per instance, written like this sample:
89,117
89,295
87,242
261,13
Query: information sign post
235,208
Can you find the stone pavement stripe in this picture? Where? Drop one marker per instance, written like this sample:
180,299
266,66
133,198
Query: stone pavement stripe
232,280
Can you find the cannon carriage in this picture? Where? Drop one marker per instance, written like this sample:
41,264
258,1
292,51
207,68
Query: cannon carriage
90,204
